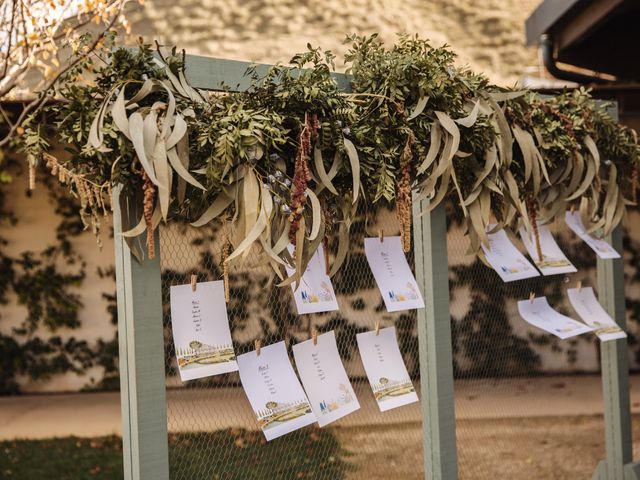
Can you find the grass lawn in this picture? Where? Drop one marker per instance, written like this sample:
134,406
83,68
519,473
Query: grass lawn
224,455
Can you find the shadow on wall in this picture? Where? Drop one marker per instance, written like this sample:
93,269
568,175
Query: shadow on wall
57,326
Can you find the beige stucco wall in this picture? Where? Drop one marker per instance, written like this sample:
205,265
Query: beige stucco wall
34,232
488,36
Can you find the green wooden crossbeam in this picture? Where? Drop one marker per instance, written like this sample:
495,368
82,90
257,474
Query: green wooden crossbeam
220,74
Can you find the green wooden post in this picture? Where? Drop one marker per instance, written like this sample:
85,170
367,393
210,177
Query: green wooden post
434,336
614,360
141,346
614,357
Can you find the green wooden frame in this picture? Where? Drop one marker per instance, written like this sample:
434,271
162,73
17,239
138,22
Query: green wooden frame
614,361
145,451
141,344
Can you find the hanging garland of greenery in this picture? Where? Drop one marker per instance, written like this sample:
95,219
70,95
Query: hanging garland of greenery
292,158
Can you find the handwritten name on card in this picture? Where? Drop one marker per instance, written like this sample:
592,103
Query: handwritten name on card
325,379
274,392
385,369
392,273
538,312
506,259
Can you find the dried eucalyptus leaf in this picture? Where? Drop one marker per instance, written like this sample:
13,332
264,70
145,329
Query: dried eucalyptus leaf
434,147
324,179
119,114
136,127
179,131
179,168
470,119
145,89
419,108
355,166
316,215
256,229
219,205
586,181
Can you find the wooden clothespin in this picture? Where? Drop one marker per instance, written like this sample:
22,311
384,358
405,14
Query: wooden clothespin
573,208
194,282
377,327
225,269
314,336
381,235
325,249
579,285
257,344
532,296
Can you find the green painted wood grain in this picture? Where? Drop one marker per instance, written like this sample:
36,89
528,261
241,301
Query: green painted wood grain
141,349
614,359
435,346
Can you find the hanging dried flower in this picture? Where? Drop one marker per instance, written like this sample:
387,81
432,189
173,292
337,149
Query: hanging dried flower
301,177
32,176
532,211
149,204
225,269
403,194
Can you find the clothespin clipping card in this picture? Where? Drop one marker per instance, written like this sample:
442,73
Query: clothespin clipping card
381,235
314,336
194,282
532,296
257,345
377,327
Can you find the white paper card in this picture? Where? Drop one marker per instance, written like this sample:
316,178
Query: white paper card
385,369
506,259
585,303
275,394
201,334
315,293
602,248
553,260
539,313
393,275
325,379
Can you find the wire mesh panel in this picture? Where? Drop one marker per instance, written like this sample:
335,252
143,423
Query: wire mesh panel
514,419
213,431
516,416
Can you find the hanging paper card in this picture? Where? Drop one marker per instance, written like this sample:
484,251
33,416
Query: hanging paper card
392,273
201,332
539,313
553,261
584,302
325,379
315,293
506,259
275,394
602,248
385,369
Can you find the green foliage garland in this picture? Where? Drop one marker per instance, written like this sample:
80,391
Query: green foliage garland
290,159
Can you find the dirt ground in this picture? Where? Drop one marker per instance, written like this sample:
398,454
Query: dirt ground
543,448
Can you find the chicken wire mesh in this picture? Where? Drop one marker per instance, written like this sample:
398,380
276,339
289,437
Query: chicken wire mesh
258,308
495,354
503,367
